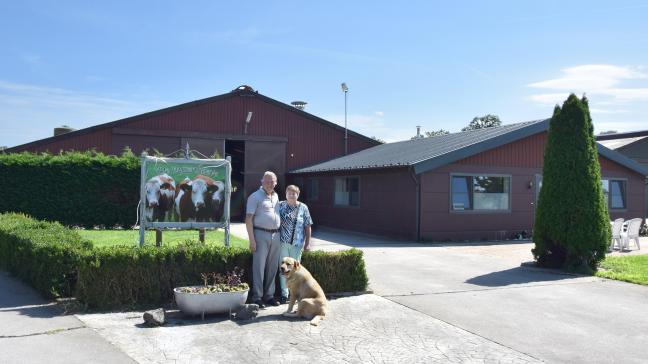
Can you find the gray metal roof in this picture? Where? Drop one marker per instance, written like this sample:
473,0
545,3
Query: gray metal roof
430,153
615,144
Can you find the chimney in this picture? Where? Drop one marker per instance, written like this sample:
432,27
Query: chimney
301,105
63,129
418,132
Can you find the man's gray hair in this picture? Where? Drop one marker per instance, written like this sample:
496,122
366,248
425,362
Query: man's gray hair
271,174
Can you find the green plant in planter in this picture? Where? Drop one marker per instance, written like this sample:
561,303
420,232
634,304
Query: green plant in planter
230,282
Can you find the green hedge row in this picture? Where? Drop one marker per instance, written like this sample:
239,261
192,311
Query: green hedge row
127,276
58,262
75,188
44,255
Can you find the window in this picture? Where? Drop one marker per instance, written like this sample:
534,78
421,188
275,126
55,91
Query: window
347,191
615,193
485,193
313,189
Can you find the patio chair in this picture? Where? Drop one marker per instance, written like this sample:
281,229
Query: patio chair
632,233
617,226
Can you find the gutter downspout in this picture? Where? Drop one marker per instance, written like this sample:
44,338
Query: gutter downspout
417,181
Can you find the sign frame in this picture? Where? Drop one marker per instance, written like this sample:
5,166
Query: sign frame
224,224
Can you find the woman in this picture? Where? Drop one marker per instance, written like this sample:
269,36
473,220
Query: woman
295,231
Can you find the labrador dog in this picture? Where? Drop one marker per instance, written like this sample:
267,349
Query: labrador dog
305,289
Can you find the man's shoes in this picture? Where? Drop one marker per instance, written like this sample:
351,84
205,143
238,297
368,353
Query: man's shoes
272,302
283,300
260,303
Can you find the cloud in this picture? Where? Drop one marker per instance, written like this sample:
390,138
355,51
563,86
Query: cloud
31,111
603,81
379,113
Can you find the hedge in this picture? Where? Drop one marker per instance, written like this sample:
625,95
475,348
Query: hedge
128,276
45,255
58,262
74,188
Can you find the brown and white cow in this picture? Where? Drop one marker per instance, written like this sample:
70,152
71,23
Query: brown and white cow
200,199
160,191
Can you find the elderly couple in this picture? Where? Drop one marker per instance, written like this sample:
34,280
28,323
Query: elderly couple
276,230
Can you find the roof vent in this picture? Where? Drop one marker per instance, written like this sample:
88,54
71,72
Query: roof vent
301,105
63,129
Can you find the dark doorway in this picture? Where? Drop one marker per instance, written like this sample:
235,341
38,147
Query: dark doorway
236,150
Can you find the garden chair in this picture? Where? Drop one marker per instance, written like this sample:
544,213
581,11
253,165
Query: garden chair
617,226
632,233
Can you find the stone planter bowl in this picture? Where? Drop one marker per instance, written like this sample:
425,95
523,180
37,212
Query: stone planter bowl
217,302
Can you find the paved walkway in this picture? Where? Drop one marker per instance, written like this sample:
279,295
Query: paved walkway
361,329
33,331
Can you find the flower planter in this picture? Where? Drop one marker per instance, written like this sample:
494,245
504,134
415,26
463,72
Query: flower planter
205,303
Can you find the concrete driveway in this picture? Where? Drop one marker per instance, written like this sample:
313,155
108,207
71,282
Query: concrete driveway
483,289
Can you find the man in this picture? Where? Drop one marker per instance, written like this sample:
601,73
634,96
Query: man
262,223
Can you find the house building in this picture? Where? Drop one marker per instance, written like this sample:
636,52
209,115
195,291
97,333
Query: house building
473,185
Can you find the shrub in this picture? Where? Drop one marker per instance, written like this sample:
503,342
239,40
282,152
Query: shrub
58,262
121,276
74,188
572,228
45,255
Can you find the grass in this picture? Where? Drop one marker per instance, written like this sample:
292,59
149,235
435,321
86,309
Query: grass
173,237
633,269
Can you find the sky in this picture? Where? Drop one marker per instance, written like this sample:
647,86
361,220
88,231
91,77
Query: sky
429,63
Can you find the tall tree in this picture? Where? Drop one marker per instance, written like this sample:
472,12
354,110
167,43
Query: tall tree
572,228
486,121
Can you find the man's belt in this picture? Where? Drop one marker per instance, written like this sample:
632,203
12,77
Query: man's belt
266,230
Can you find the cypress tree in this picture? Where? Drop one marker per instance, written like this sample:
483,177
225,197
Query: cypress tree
572,229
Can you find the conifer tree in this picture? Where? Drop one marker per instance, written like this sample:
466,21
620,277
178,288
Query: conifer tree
572,229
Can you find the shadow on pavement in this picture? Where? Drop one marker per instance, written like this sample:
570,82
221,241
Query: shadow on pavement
518,275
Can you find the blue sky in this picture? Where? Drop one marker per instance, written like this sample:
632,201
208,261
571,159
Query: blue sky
433,64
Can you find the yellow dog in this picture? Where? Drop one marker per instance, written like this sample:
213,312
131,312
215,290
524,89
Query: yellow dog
305,289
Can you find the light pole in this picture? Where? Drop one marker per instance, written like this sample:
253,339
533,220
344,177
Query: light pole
345,88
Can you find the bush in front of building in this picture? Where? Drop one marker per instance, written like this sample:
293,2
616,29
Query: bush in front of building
57,262
572,229
75,188
43,254
121,276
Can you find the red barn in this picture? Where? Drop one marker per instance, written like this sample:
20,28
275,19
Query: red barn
258,132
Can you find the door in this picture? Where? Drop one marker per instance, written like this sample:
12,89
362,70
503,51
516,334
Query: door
261,156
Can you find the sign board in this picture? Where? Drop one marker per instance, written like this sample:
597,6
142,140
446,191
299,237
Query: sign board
184,193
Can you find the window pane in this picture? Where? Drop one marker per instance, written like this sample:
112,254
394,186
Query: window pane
617,194
491,193
313,193
354,191
461,193
341,194
606,190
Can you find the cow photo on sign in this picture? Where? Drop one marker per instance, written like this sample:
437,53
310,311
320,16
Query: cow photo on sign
184,190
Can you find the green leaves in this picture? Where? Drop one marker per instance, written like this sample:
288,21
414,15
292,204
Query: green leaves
572,227
74,188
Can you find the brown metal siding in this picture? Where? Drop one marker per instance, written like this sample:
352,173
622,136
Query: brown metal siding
522,160
387,203
309,141
99,140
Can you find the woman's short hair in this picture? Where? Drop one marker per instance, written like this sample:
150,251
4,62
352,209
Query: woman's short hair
293,188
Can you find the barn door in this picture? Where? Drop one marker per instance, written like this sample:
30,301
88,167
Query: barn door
264,156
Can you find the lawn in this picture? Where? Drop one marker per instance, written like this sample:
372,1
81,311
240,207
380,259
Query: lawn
131,237
633,269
